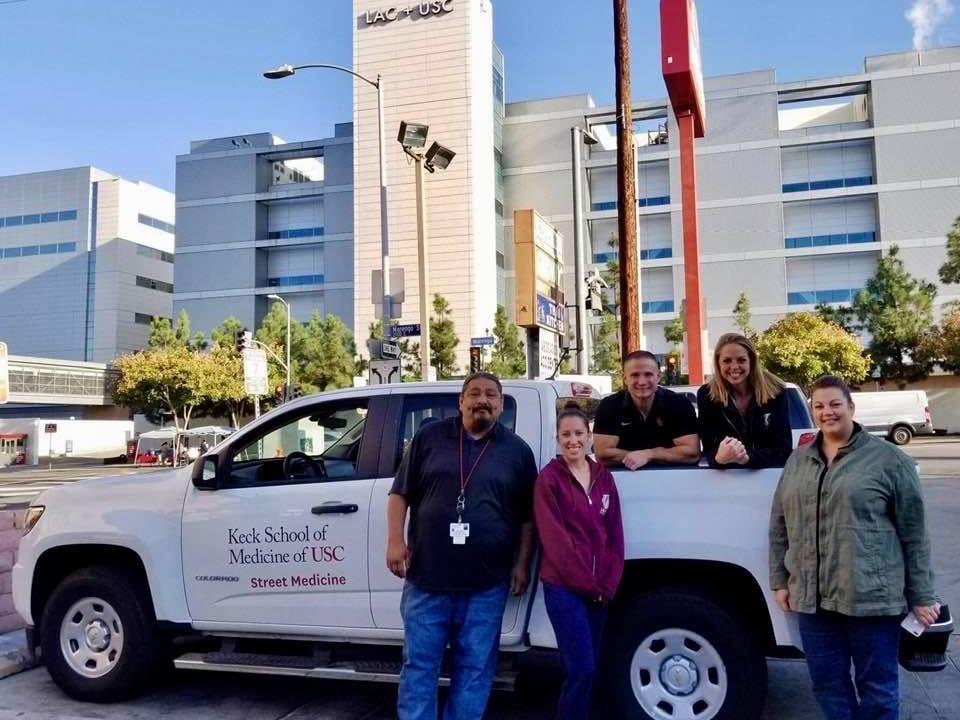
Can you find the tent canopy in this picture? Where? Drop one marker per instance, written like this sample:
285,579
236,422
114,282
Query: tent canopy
216,430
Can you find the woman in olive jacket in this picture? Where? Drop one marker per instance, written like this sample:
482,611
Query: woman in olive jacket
743,414
849,553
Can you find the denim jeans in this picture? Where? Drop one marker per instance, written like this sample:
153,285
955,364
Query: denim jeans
470,623
578,626
831,642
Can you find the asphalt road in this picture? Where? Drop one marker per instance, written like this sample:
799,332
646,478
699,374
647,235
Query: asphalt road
32,695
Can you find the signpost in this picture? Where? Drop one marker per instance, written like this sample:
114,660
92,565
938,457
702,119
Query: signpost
50,429
384,371
255,375
404,331
481,341
683,75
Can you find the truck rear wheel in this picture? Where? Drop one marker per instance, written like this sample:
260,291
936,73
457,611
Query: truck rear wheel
676,654
99,635
901,435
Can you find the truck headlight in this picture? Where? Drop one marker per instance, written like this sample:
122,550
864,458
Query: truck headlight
32,518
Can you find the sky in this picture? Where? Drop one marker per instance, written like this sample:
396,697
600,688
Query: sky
125,85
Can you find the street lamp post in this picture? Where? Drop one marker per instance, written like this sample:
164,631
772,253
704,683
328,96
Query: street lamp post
413,138
288,70
286,305
578,138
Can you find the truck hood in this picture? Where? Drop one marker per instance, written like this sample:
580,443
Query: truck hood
119,491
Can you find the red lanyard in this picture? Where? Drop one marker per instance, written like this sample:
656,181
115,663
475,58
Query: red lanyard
465,481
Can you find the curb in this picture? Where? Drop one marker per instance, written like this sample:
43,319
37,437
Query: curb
15,655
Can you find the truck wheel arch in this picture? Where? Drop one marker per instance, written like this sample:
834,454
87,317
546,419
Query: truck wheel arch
57,563
729,585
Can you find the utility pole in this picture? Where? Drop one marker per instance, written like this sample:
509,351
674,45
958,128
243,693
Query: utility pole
626,187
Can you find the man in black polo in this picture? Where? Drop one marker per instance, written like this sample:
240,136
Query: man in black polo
468,484
645,423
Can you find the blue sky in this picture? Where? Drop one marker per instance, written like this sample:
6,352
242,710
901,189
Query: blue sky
127,84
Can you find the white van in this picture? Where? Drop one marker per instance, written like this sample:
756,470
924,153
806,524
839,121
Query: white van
896,414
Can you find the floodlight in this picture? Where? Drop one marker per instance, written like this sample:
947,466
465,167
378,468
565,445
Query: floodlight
438,157
413,135
281,72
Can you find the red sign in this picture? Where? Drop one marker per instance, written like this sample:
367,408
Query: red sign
50,428
680,55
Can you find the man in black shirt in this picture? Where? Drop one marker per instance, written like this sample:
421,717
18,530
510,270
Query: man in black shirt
645,422
468,484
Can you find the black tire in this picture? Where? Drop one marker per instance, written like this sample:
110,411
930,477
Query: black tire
140,654
741,662
901,435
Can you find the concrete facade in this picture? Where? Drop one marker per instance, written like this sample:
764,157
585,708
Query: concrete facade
436,70
802,186
86,260
256,216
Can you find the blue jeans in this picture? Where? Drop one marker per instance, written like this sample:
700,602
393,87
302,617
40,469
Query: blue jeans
831,642
470,623
578,626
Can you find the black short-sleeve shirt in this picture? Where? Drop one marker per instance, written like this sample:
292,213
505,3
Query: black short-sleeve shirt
499,500
670,417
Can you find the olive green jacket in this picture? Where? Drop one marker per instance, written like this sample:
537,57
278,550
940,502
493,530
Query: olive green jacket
873,555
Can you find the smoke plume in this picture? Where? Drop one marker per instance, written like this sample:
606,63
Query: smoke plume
926,16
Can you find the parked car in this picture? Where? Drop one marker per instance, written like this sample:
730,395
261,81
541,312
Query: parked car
896,414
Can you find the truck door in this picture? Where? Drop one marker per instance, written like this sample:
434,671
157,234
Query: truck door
282,542
411,408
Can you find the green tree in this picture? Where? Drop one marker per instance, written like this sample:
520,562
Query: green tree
225,334
227,396
163,334
508,359
802,346
838,315
950,270
949,339
273,333
896,309
328,354
742,316
443,339
673,332
173,379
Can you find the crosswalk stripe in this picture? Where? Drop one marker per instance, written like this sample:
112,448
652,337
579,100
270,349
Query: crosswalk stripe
10,491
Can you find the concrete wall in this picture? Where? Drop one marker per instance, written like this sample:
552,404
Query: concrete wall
11,528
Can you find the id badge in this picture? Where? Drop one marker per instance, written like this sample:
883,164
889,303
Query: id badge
459,532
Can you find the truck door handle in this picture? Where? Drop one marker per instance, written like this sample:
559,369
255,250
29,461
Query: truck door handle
335,508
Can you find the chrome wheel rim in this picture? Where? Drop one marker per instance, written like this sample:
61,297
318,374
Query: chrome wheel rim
91,637
677,674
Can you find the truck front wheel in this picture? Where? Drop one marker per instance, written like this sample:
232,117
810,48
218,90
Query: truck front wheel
676,654
98,635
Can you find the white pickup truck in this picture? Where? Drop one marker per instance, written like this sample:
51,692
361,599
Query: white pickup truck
271,550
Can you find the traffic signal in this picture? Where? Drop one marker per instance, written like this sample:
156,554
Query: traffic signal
296,390
476,359
243,340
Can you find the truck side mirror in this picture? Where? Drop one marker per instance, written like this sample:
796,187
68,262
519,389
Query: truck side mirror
205,472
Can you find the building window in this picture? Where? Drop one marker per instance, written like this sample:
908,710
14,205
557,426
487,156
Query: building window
144,319
658,306
812,297
155,223
295,233
149,252
289,280
37,218
152,284
794,243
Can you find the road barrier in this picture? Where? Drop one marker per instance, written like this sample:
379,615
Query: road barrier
11,528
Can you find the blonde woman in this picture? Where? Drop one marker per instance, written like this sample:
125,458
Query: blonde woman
743,413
